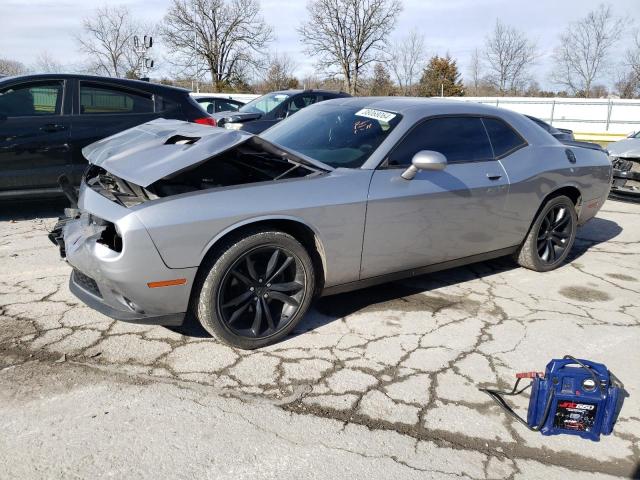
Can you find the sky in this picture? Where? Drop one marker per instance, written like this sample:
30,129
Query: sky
457,27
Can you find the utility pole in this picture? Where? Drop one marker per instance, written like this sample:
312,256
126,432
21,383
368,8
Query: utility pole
145,63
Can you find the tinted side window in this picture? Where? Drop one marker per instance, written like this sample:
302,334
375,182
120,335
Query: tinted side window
460,139
299,102
224,106
163,104
503,138
30,100
96,99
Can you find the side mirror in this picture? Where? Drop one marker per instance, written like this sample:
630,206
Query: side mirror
425,160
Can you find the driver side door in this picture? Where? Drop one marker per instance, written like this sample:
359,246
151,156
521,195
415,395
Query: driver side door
438,215
34,137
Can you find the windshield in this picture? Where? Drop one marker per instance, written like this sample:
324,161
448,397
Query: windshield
336,135
265,103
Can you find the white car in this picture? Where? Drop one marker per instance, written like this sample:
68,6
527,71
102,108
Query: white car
625,156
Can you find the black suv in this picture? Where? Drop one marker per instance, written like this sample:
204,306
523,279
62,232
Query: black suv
46,120
267,110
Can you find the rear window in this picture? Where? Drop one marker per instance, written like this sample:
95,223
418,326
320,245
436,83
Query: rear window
503,138
206,104
99,99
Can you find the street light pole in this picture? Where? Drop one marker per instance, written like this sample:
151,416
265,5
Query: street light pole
144,63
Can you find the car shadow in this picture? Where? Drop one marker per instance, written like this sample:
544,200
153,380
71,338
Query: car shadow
595,231
408,295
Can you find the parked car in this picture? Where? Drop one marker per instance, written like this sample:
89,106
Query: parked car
216,104
562,134
267,110
46,120
245,230
625,156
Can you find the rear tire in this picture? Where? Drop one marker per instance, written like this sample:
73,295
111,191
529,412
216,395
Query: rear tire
551,236
255,290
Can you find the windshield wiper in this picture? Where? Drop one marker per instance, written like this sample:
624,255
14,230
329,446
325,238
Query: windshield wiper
291,155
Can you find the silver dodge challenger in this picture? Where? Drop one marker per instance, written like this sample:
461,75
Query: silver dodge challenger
243,231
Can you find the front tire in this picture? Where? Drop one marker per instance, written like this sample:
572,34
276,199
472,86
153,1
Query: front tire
256,289
551,236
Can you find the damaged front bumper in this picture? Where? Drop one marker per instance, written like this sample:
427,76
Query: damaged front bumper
116,265
626,179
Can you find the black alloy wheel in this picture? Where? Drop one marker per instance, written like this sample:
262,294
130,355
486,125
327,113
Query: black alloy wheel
550,237
261,292
554,234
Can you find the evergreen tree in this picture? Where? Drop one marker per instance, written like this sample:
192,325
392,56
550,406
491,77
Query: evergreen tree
381,84
441,76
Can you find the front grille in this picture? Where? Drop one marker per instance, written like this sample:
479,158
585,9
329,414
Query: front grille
86,283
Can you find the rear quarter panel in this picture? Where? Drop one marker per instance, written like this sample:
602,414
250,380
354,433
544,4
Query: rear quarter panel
537,171
333,205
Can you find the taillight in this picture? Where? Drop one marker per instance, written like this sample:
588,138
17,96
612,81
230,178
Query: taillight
206,121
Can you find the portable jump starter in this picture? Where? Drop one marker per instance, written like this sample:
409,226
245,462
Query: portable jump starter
572,396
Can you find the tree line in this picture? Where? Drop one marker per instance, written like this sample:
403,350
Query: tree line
224,44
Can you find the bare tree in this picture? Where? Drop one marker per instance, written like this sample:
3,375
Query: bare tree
348,35
279,74
227,35
46,63
406,57
583,50
324,83
10,67
509,55
627,85
475,71
107,40
633,56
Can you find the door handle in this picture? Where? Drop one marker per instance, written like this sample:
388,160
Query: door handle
52,127
494,176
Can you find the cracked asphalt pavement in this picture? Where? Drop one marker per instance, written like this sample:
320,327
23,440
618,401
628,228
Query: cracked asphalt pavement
380,383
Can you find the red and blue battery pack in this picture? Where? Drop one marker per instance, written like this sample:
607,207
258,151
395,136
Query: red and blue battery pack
572,397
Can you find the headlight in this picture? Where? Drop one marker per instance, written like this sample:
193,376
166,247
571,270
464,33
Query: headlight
233,126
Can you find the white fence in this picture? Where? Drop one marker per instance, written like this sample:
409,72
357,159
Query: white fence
583,115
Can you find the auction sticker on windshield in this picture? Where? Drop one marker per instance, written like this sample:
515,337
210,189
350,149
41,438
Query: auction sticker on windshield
379,115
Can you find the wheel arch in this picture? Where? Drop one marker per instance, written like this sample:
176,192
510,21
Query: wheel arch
294,226
570,191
